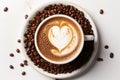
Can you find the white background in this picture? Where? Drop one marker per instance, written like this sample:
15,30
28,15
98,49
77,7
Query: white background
108,25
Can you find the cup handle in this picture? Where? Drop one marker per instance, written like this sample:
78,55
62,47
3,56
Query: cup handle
88,37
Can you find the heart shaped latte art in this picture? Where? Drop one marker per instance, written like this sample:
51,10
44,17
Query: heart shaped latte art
60,37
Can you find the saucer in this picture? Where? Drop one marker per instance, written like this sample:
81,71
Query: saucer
86,66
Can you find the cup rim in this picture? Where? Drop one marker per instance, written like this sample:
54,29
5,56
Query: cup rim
80,47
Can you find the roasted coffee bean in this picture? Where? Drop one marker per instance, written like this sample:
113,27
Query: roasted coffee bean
11,67
30,46
23,73
21,64
18,50
26,16
19,41
11,55
101,11
111,55
99,59
106,46
5,9
25,62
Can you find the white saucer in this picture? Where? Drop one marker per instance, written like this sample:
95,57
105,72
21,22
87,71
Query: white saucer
84,67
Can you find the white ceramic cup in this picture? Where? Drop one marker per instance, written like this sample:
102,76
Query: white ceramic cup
84,38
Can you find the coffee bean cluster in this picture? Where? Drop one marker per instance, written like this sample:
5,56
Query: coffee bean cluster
29,39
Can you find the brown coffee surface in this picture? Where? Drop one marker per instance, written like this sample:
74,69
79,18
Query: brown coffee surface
49,46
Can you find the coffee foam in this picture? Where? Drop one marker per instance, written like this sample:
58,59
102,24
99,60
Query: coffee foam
64,37
59,39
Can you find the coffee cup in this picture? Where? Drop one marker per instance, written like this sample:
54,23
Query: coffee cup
59,39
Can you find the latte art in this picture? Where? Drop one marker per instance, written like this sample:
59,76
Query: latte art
59,39
63,37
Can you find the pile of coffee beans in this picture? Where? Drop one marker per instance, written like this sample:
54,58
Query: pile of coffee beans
40,16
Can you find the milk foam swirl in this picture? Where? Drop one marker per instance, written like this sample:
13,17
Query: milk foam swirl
63,37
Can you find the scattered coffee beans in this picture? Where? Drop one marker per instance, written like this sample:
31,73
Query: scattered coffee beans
111,55
11,55
26,16
18,50
23,73
106,47
5,9
11,67
99,59
101,11
31,51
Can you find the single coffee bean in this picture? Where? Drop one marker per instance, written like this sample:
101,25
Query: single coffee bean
26,16
101,11
11,55
99,59
11,67
18,50
21,64
111,55
23,73
25,62
5,9
19,41
106,47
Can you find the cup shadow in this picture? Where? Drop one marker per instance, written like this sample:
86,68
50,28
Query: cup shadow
93,65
